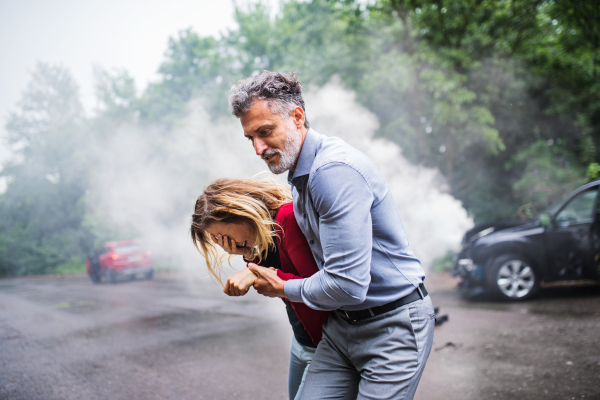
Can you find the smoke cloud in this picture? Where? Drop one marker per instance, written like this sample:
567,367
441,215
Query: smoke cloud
434,220
146,182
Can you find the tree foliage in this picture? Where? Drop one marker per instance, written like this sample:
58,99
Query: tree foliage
502,97
41,210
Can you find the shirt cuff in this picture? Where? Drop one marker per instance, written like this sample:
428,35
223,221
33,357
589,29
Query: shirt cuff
293,290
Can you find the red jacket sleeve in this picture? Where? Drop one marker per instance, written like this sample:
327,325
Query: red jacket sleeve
297,261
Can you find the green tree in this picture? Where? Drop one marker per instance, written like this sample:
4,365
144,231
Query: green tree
40,212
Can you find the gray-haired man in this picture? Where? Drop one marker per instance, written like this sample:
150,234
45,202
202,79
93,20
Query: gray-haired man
375,345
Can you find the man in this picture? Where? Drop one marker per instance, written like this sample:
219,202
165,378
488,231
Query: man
376,343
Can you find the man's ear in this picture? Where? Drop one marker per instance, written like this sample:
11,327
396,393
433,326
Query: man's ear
298,115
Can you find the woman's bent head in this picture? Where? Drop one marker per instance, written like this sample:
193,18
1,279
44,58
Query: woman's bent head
243,210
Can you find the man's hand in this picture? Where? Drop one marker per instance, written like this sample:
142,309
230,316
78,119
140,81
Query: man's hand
230,246
239,283
267,282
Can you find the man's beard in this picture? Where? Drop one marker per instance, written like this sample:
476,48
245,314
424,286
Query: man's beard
287,156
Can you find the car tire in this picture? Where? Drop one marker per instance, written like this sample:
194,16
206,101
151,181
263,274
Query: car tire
150,275
111,276
511,277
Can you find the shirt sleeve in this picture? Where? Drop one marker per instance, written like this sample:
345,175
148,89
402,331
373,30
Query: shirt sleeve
343,199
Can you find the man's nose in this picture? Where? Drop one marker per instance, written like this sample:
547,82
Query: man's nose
260,146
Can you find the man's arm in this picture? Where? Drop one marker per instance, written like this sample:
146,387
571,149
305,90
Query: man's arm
343,200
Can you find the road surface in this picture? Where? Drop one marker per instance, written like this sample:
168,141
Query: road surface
178,337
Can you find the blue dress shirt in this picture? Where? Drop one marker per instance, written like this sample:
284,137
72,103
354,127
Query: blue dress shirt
348,215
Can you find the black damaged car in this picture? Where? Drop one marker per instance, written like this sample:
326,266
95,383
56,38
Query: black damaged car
511,260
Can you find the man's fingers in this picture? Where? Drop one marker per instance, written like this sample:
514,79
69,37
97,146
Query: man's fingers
255,269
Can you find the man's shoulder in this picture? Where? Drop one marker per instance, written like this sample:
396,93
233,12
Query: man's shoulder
335,150
334,155
331,150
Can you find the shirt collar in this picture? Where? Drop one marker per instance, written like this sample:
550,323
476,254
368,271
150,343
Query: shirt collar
307,155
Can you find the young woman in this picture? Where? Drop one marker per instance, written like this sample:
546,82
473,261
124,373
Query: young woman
255,219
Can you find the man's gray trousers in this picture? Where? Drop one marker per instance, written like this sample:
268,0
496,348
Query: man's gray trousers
381,357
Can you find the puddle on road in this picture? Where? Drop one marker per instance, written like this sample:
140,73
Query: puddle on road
156,322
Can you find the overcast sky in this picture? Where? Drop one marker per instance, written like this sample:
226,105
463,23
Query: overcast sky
129,34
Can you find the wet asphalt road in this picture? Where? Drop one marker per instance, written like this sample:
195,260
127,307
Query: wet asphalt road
179,337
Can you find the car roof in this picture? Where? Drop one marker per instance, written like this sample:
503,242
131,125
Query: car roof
575,193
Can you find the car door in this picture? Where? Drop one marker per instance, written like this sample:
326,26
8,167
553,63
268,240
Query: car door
569,242
103,256
595,243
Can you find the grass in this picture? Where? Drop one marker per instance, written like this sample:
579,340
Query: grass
75,266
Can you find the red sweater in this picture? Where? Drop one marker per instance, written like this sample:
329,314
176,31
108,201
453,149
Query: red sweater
297,262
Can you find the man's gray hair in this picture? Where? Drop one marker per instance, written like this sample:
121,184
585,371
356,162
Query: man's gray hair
283,93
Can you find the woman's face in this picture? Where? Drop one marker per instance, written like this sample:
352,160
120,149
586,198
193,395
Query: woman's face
241,233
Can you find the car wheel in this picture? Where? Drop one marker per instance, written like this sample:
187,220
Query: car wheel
150,275
511,277
111,276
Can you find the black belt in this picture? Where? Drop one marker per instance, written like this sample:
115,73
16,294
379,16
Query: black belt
419,293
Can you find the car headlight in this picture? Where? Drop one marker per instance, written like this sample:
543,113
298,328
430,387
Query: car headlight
466,263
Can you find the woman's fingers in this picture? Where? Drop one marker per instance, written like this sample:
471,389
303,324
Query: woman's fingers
226,244
239,283
229,245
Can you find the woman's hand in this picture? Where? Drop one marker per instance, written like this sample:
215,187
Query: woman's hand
267,282
239,283
230,246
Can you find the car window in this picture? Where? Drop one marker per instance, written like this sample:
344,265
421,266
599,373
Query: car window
579,209
129,248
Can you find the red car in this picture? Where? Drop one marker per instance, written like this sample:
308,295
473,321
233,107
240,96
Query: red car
125,258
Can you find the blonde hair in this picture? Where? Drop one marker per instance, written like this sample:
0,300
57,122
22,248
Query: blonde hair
237,201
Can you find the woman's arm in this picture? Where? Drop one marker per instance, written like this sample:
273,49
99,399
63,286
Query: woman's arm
239,283
297,261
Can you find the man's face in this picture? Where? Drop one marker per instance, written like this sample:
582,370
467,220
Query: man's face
276,139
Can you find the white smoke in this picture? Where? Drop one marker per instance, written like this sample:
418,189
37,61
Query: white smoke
147,181
434,220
